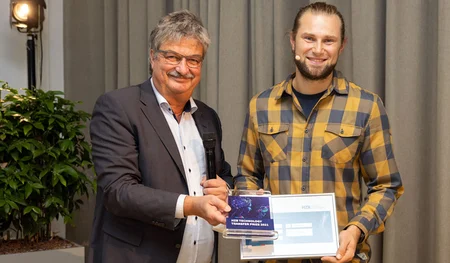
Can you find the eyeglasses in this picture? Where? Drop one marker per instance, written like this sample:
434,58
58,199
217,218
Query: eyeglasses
174,58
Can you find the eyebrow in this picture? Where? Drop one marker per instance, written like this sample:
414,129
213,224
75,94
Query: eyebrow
171,51
314,35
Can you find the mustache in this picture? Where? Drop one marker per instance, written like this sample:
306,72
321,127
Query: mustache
177,74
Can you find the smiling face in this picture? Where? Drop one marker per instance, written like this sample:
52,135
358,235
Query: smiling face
317,45
176,81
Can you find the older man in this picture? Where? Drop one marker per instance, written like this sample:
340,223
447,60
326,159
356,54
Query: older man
153,202
317,132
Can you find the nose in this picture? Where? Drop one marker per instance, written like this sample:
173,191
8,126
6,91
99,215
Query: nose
182,67
318,47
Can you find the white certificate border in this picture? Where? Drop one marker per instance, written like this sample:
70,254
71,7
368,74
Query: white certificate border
329,206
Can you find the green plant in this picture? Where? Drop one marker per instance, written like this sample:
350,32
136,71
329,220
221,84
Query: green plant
43,160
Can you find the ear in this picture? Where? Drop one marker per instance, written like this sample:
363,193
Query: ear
344,43
292,40
151,58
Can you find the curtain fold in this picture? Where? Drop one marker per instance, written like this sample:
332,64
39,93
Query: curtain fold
442,181
397,49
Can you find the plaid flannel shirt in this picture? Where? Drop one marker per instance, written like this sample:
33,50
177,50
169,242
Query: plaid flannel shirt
345,139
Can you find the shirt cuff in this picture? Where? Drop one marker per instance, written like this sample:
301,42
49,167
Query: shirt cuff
179,209
362,237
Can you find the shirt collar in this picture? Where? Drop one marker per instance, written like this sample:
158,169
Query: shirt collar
189,107
339,84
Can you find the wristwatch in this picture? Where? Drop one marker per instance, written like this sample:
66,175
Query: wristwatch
361,237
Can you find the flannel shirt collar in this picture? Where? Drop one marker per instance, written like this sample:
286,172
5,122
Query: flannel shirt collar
339,85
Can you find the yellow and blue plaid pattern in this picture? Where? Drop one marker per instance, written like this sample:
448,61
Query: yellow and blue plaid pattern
345,139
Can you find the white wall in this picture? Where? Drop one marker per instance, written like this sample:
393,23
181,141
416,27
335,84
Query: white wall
13,54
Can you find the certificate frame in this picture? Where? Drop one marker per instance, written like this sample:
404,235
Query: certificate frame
306,225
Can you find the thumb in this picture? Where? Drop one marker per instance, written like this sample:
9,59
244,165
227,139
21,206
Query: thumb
341,250
203,180
221,205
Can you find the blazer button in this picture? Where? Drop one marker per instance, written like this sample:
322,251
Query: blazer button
178,246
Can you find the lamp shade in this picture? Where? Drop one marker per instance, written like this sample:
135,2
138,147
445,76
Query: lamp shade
27,15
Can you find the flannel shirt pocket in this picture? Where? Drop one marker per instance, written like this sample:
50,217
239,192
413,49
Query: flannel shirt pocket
341,142
274,140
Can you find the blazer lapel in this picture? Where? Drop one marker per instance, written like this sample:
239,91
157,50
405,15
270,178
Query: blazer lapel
202,125
151,110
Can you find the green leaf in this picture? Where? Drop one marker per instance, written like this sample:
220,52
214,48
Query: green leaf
37,210
86,163
37,152
27,146
12,184
59,117
62,180
28,190
27,210
15,155
57,92
12,204
44,172
38,125
27,128
68,169
12,113
66,144
57,200
37,143
94,186
18,200
86,146
72,134
60,124
34,216
68,219
52,154
48,202
26,158
37,186
2,203
50,106
7,208
55,179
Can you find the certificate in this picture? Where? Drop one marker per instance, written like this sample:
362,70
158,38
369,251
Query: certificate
306,226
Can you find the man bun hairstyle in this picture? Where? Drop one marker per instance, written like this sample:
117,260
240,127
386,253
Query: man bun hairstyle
318,7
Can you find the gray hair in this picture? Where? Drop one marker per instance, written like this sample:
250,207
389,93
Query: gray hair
175,26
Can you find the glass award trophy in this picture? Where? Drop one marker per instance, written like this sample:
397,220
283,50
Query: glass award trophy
250,216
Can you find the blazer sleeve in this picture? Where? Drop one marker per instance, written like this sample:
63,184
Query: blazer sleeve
115,154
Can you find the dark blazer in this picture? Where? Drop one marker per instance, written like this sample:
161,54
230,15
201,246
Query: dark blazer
140,176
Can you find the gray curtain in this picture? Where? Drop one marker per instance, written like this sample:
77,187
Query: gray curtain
398,49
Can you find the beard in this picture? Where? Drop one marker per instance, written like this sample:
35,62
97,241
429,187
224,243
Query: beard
314,75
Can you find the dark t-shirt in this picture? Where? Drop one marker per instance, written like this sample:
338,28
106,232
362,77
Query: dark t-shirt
308,101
